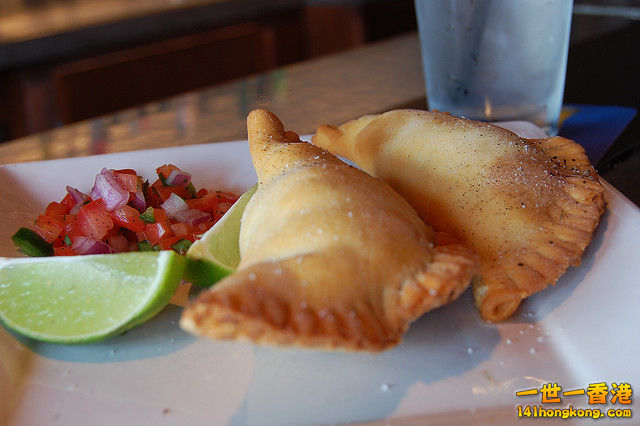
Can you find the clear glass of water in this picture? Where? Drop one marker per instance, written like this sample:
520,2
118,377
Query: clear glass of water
496,60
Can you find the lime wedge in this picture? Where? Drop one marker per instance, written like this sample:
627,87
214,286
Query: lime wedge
217,253
78,299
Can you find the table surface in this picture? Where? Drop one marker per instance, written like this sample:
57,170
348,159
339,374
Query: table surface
328,90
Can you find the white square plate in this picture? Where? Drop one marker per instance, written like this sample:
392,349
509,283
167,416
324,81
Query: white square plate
451,368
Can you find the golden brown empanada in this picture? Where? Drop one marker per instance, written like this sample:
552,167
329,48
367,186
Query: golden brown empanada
330,257
527,207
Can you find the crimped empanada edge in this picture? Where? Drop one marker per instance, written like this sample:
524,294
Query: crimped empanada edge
582,208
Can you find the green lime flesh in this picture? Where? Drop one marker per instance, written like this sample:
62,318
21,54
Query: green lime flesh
78,299
217,253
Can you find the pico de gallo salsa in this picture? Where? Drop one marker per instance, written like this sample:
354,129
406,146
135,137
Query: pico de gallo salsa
123,212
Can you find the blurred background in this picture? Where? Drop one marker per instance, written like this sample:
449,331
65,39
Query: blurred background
62,61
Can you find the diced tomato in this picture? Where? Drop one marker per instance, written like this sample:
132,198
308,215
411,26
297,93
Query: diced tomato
165,243
165,191
217,214
118,242
166,170
161,229
128,181
127,171
217,203
116,230
55,209
48,228
160,215
68,201
72,231
206,203
223,208
150,195
67,222
127,217
131,236
228,197
182,229
64,251
93,220
224,201
190,237
67,219
203,227
153,232
123,229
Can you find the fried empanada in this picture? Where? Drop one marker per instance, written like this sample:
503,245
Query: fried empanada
330,256
527,207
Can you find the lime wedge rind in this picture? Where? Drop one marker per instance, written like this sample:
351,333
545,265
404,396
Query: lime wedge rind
217,253
84,299
170,273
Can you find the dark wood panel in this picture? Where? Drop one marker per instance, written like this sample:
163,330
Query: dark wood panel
106,83
336,26
333,28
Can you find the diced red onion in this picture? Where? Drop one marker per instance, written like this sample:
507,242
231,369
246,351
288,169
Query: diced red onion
192,216
173,205
109,189
178,178
78,197
86,245
136,200
95,194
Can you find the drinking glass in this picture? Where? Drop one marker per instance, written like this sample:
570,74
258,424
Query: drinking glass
496,60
